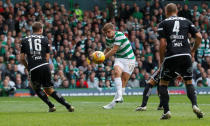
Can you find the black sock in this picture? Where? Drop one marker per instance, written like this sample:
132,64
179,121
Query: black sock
44,97
60,99
191,94
146,94
165,98
158,90
161,102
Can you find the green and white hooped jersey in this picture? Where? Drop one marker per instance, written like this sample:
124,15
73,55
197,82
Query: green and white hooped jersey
125,50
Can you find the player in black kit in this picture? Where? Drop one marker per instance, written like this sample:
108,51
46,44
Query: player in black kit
36,49
154,80
175,56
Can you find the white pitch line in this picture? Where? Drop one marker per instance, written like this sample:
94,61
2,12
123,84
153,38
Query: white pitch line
86,102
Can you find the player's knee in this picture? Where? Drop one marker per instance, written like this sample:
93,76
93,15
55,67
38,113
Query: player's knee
117,72
123,80
49,91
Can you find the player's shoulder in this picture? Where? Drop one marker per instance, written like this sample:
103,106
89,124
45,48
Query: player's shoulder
24,40
176,18
118,34
35,36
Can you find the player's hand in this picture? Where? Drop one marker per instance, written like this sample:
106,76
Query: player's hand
91,58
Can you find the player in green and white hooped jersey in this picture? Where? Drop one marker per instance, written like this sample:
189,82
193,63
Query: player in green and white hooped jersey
119,46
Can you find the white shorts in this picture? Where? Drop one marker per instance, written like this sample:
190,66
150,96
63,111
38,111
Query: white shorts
127,65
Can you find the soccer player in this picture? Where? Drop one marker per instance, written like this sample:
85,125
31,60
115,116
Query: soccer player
36,49
154,80
175,56
118,44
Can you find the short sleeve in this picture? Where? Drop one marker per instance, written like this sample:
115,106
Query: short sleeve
119,39
192,29
161,31
23,46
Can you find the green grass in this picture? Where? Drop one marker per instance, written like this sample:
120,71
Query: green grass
31,111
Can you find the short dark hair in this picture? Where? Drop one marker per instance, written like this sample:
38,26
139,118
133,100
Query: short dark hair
171,8
37,26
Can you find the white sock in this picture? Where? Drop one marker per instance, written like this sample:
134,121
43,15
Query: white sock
123,91
119,92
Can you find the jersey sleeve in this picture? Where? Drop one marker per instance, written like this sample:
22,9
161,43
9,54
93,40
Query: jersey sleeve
192,29
161,31
119,39
23,46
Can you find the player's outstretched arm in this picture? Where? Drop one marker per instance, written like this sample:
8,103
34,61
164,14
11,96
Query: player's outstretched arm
106,50
197,43
23,61
112,51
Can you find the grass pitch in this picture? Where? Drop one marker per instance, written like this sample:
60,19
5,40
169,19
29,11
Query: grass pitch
31,111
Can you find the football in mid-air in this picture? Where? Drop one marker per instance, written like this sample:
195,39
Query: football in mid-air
98,57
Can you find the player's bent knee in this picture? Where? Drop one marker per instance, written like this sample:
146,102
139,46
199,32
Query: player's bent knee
117,71
49,90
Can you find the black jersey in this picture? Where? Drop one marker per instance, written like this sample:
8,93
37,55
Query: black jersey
175,30
35,47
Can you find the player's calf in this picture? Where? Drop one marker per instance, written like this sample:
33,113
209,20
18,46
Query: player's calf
60,99
41,94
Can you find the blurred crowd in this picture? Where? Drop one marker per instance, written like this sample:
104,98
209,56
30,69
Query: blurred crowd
75,34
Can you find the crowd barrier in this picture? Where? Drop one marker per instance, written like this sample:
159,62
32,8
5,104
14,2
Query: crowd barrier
111,92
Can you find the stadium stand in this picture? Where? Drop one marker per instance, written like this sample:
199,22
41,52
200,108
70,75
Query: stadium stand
75,33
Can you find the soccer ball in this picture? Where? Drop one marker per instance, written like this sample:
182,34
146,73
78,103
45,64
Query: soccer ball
98,57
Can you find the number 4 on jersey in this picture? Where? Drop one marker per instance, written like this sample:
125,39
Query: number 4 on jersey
176,27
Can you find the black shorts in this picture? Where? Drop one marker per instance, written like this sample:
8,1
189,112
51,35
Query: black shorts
175,66
41,77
